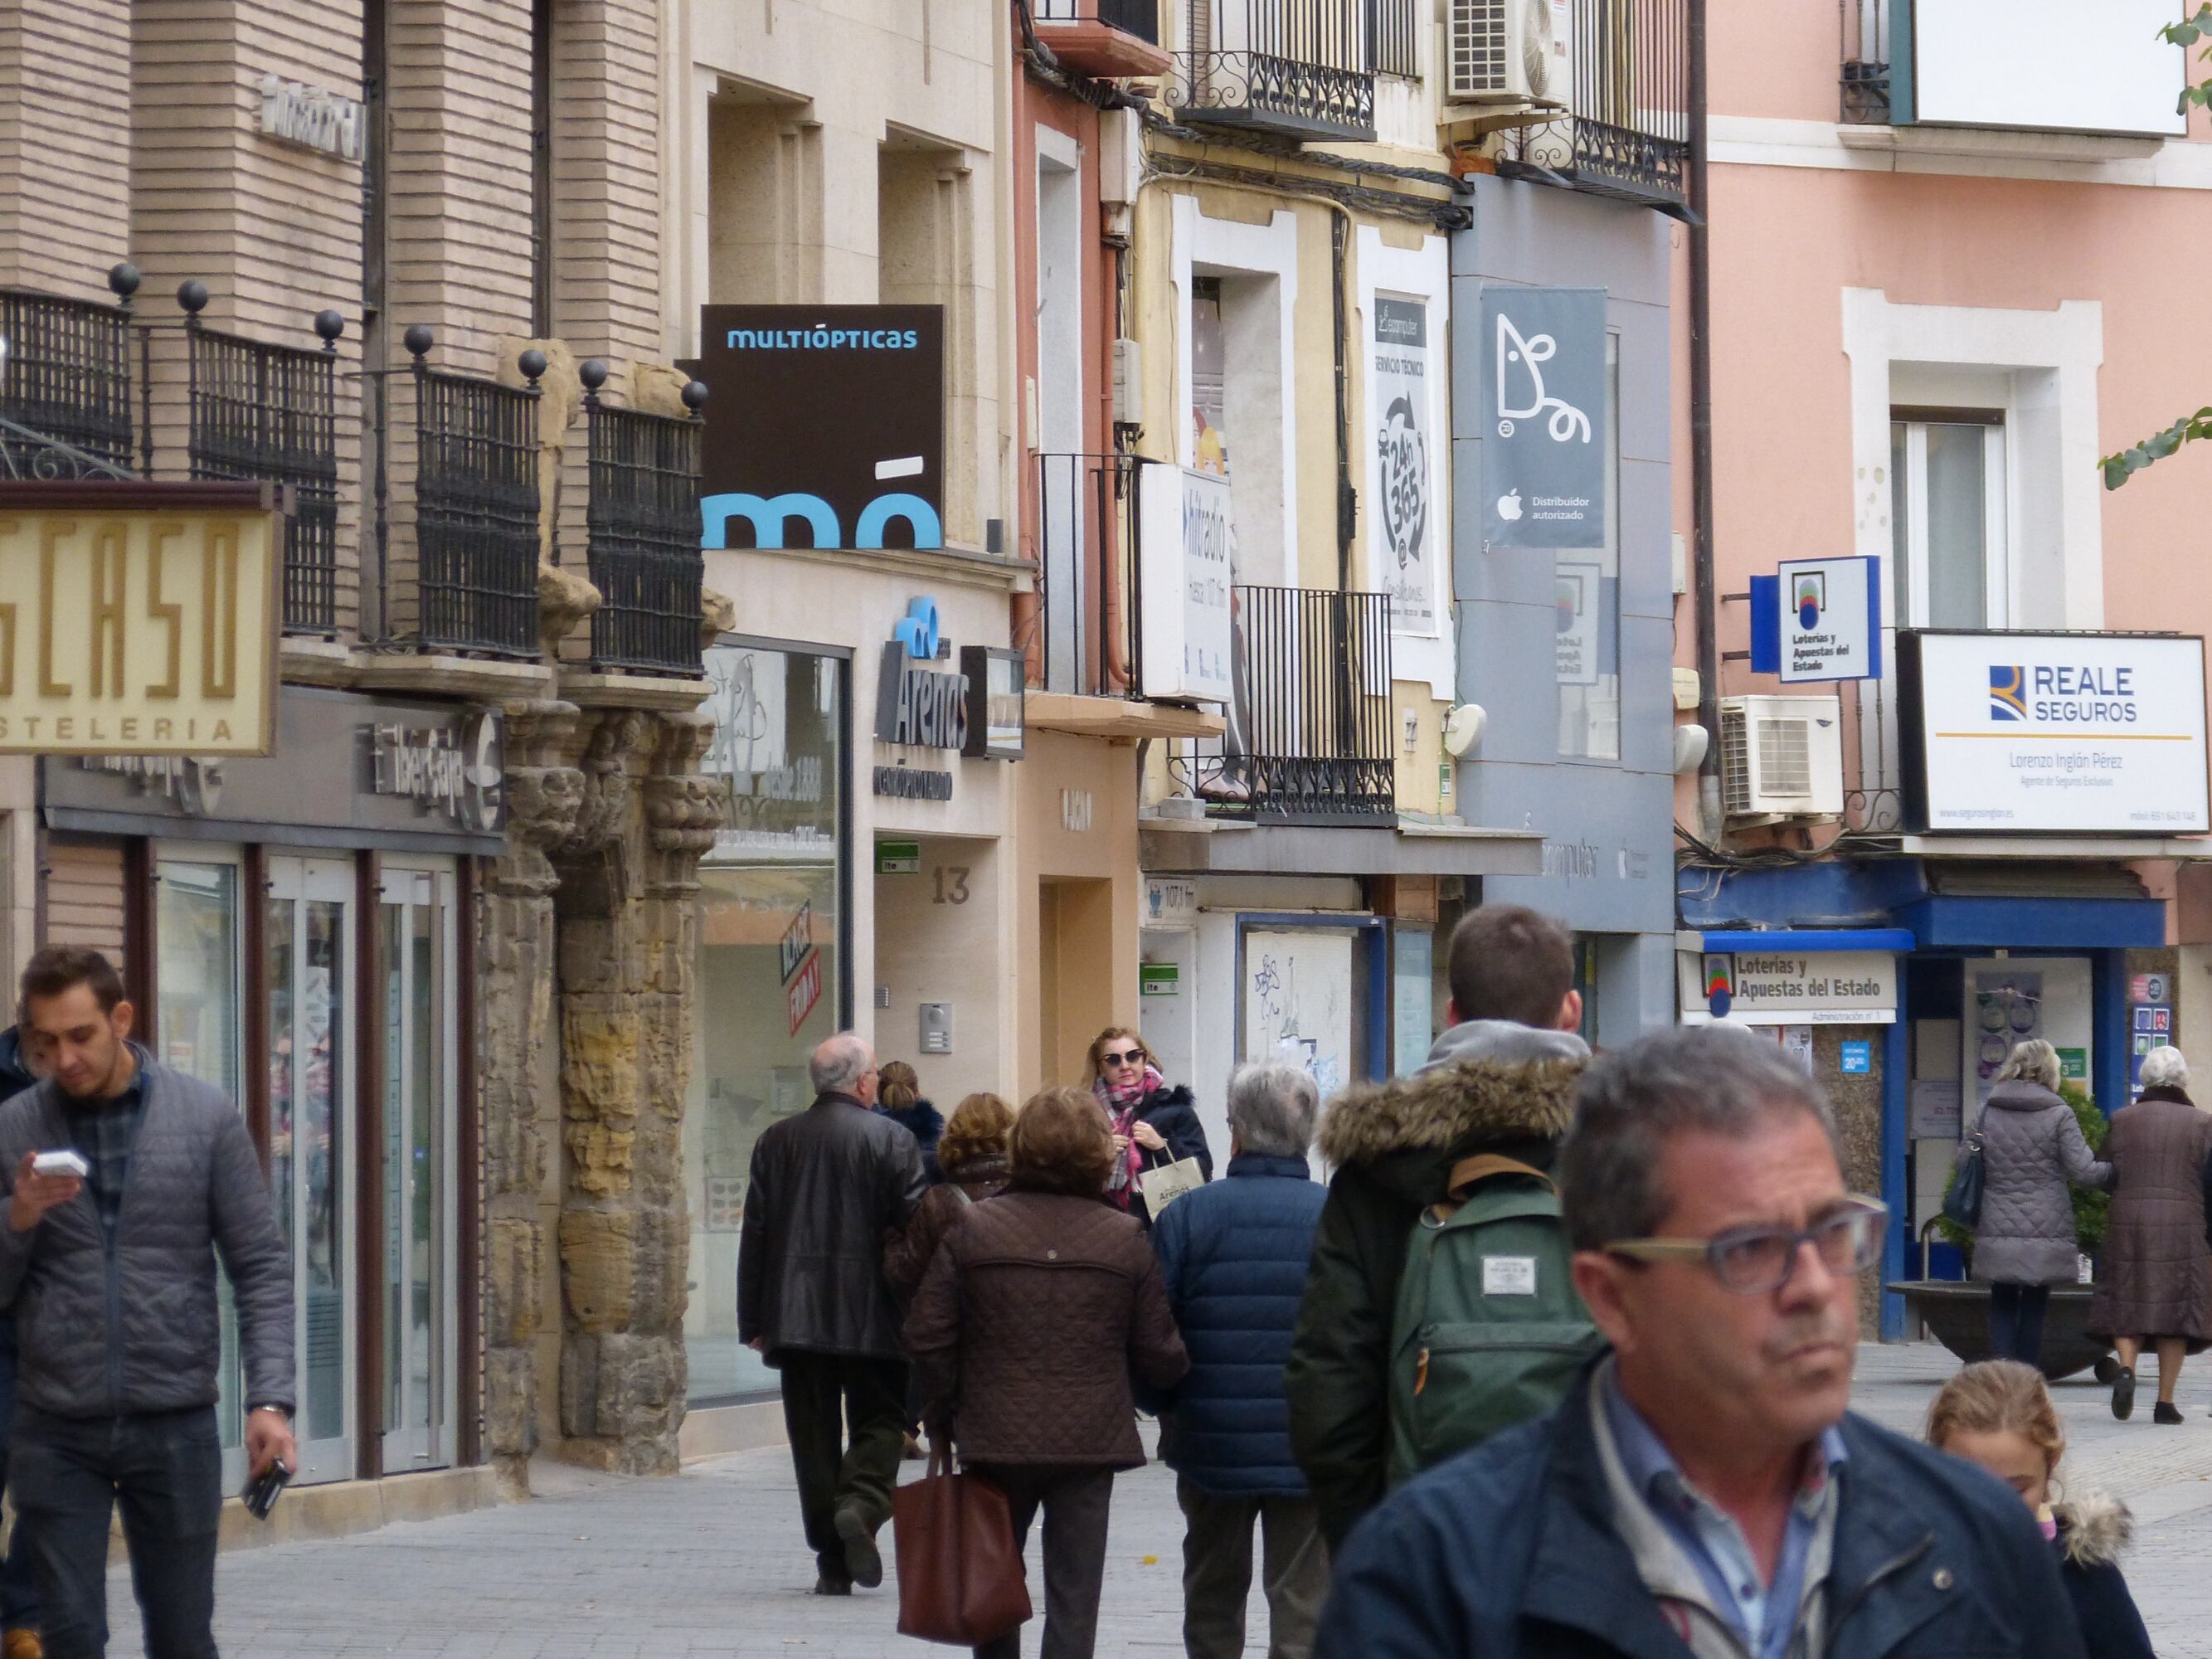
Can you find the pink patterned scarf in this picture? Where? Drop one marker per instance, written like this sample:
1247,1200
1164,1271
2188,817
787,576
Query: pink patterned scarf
1120,1104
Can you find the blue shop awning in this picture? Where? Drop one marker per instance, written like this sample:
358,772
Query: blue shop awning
1897,941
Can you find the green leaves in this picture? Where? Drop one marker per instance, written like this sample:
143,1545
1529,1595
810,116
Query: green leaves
2185,34
2189,429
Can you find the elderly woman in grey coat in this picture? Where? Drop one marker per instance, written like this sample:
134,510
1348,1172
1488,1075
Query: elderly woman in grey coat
2025,1243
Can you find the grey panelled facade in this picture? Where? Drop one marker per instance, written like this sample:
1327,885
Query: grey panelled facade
1604,800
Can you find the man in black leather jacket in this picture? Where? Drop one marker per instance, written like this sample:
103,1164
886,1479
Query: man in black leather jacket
824,1188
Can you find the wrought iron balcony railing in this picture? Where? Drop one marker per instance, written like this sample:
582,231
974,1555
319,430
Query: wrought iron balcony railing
1865,57
475,506
1299,69
65,384
1309,738
1628,135
1138,17
271,412
1083,633
644,554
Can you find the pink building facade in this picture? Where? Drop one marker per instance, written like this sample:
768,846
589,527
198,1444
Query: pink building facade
1948,273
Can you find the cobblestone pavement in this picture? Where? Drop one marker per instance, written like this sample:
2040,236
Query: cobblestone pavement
710,1562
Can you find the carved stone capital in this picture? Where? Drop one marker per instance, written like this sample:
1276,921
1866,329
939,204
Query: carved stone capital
617,735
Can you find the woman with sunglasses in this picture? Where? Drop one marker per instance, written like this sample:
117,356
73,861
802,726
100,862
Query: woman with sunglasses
1155,1123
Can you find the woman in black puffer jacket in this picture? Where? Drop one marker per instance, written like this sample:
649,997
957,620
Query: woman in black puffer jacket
899,1097
1155,1123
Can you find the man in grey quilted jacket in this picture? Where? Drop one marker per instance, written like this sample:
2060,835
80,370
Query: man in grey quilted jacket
112,1281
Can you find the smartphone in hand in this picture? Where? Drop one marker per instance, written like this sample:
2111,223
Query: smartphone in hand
60,1164
262,1490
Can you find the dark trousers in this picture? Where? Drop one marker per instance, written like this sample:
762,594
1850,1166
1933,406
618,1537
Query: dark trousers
2016,1322
1217,1572
845,1416
164,1468
1077,1502
19,1596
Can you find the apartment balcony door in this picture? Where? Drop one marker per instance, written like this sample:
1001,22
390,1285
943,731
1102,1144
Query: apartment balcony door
417,962
310,953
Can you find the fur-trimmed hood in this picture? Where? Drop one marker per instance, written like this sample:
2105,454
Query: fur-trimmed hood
2093,1530
1484,1080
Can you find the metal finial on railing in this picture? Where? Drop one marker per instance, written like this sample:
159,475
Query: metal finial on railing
329,325
192,296
418,340
593,374
695,397
533,363
122,280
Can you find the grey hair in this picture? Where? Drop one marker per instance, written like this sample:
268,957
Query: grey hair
2165,1068
841,1061
1713,1080
1271,1108
2032,1061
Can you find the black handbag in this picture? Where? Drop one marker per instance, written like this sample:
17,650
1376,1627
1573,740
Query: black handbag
1963,1203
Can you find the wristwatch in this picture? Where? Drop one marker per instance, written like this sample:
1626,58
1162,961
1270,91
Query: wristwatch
284,1412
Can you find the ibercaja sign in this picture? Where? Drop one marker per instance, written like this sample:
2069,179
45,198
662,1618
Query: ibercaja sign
826,428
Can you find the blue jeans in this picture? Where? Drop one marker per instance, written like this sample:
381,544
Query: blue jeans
165,1470
19,1599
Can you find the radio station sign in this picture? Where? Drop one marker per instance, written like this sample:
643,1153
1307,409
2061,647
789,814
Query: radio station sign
2068,733
138,630
1787,987
976,710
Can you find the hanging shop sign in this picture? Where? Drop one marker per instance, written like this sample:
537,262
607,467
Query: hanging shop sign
997,703
1818,619
1187,547
347,771
130,629
2073,733
1785,988
827,422
1404,476
1544,436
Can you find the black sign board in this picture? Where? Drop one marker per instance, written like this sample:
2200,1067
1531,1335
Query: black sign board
826,427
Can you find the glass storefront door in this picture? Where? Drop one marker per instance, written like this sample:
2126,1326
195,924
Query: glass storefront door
310,949
418,961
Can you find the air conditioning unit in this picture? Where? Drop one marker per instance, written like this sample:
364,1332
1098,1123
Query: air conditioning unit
1510,51
1781,757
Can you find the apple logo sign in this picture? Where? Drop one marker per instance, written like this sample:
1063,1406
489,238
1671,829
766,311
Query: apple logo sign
1509,506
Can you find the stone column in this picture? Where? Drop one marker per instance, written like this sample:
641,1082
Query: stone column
515,1007
626,915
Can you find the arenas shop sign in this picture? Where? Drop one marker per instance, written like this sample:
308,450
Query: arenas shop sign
975,710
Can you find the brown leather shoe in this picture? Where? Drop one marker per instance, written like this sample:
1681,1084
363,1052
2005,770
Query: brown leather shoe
22,1644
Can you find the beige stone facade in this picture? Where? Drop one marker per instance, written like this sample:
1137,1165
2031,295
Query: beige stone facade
136,133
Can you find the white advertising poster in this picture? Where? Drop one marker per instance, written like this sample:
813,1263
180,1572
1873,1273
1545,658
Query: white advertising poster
1575,643
1187,540
2054,66
1404,531
1297,1002
2081,734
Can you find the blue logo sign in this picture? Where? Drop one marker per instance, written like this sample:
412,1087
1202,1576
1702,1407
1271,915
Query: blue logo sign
1858,1058
917,631
2006,681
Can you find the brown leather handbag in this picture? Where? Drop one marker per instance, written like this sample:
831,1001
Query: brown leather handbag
959,1575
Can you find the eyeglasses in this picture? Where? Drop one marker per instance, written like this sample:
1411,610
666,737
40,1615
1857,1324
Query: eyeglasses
1754,1261
1119,1058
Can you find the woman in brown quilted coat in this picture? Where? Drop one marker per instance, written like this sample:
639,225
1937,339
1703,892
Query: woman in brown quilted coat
2156,1283
1035,1311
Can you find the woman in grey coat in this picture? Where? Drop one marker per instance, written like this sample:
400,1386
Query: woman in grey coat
2025,1243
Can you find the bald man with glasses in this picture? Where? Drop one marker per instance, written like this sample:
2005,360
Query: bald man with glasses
1705,1484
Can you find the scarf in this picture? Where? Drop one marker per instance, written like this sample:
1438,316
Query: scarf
1120,1104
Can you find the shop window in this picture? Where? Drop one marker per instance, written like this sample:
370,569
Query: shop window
1948,518
199,952
1588,618
772,960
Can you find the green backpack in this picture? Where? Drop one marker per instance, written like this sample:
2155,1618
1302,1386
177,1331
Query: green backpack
1488,1330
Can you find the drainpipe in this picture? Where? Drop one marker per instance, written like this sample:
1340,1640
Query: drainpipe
1701,437
1347,499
